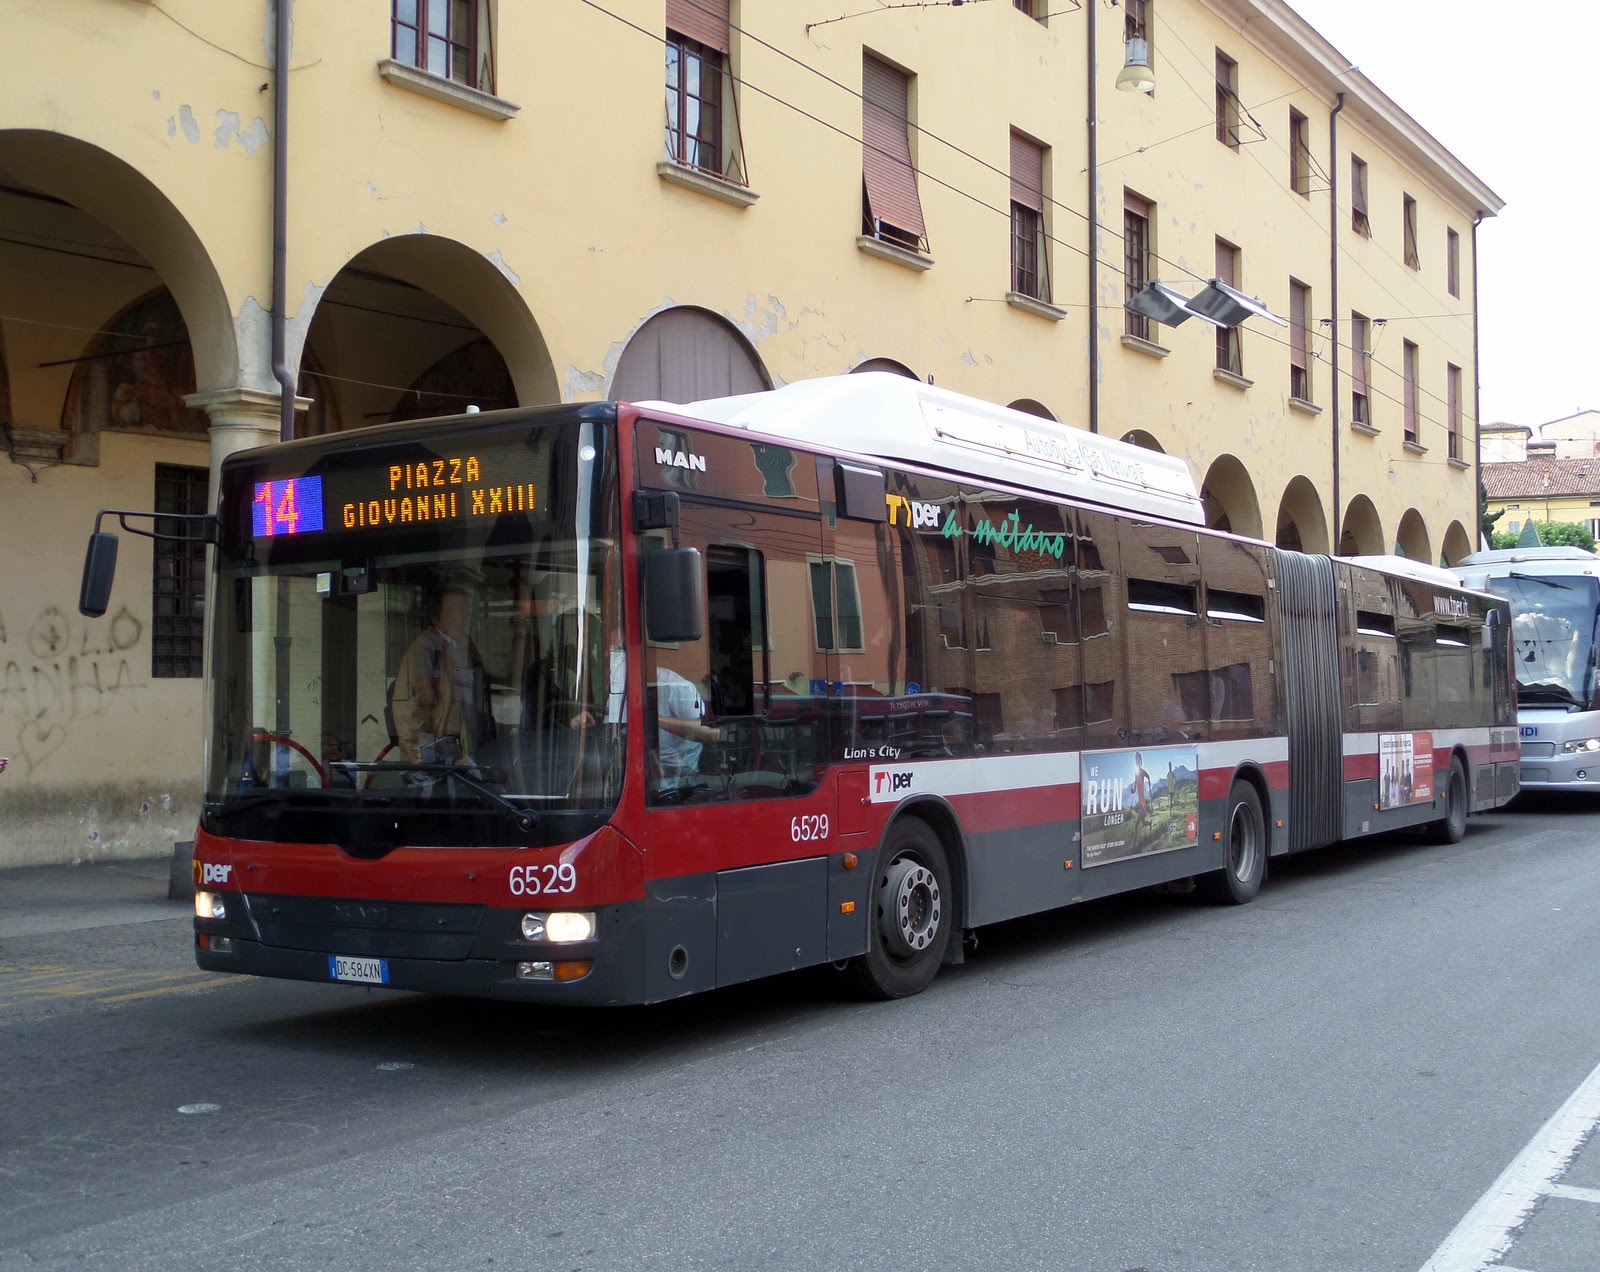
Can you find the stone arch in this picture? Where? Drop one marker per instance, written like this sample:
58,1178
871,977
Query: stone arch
421,324
1138,437
1302,523
112,192
1456,545
686,354
135,372
1361,533
1030,407
886,364
1229,497
1411,538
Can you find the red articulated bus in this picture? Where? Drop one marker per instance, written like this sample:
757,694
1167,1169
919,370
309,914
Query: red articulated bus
610,703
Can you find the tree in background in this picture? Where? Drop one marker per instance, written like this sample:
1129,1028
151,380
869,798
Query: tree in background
1552,534
1486,519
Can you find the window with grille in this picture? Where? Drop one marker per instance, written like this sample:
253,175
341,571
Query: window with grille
1358,198
1299,341
452,39
1452,262
1230,354
178,589
1136,248
1453,405
1409,365
1030,274
891,209
1299,153
1360,364
1409,208
1227,101
702,124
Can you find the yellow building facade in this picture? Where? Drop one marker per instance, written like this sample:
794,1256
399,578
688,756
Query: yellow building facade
484,203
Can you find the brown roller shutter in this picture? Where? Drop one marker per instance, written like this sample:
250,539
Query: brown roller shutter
886,147
1027,172
1225,255
1358,354
1297,324
1131,202
1411,384
704,21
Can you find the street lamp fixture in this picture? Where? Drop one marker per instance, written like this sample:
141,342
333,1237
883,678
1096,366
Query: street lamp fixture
1136,75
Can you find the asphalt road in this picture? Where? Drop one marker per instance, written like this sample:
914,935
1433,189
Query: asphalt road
1330,1077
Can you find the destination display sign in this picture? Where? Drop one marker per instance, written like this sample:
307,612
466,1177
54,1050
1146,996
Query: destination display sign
386,491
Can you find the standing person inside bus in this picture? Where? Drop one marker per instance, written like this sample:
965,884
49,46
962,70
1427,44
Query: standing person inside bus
441,691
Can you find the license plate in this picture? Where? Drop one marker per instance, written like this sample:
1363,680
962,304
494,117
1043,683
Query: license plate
362,971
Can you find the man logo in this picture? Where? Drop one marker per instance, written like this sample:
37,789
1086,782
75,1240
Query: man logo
668,458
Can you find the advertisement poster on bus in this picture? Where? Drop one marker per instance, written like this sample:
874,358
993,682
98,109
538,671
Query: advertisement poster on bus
1139,803
1405,769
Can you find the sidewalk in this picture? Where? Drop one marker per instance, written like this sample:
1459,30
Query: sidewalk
35,900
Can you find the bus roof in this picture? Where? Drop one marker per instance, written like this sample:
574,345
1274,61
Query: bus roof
1407,568
1476,570
894,418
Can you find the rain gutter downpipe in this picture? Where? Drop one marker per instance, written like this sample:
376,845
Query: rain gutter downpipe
1477,403
1094,236
1333,295
280,221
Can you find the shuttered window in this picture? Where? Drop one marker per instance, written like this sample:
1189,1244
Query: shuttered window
1413,258
1030,273
892,210
1136,248
1299,342
1453,402
1409,363
702,124
1360,347
1452,266
1299,153
1230,354
1227,101
1358,197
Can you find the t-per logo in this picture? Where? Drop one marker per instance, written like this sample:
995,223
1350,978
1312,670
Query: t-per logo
206,874
887,783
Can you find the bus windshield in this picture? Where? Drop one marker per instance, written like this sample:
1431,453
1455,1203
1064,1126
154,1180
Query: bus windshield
432,666
1553,634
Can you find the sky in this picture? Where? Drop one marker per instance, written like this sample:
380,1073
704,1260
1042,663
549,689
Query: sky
1533,143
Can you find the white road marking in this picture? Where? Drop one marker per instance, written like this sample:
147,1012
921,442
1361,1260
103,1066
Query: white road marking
1490,1226
1572,1193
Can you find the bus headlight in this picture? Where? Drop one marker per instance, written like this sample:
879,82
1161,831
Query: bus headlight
560,927
1580,745
209,905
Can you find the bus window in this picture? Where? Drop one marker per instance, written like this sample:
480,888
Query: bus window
743,713
1168,686
1240,694
1101,619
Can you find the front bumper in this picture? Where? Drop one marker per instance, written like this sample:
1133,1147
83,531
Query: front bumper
1580,772
469,951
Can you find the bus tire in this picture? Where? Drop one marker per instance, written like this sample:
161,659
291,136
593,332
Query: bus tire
1452,827
911,916
1245,835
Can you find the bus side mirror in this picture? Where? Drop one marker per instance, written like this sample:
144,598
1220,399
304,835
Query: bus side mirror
99,568
674,594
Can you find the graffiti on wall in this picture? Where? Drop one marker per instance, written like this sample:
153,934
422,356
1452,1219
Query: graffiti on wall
60,674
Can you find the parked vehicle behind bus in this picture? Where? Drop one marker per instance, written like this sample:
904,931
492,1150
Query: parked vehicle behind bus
1555,608
609,703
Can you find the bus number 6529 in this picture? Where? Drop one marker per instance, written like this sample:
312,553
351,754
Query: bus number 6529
546,880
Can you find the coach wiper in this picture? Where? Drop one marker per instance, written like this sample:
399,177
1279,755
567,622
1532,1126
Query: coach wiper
1534,578
1547,691
525,818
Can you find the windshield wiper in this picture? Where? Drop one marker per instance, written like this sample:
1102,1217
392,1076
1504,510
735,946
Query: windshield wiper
1534,578
525,818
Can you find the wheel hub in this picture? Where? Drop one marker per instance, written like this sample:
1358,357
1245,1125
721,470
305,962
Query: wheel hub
910,909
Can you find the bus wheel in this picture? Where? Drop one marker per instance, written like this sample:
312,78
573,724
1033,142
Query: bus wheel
1240,878
1452,827
910,920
